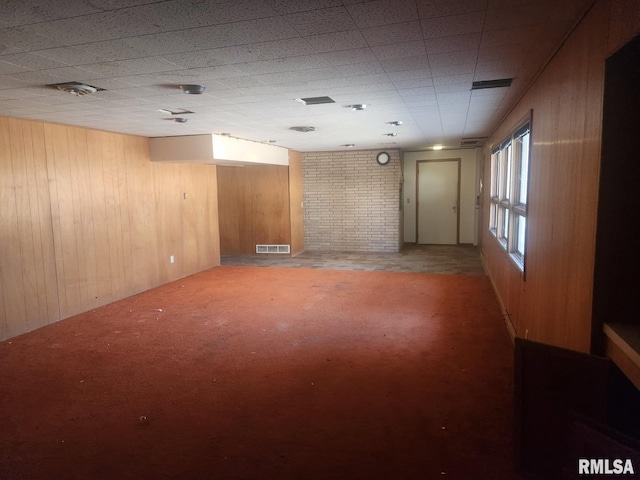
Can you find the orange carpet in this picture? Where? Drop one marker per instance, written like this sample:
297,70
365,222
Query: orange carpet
266,373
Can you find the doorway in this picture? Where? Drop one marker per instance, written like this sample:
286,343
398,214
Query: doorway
438,201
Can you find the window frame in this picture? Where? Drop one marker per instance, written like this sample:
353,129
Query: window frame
509,180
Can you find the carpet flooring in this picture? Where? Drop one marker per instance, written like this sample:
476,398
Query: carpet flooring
267,373
445,259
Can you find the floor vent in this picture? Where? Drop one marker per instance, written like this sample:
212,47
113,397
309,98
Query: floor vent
273,249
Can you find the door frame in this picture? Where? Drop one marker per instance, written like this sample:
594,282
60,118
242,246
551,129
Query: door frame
418,162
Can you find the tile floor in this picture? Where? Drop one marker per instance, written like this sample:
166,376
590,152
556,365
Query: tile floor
446,259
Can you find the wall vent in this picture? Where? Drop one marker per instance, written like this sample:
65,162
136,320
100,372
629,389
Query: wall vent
273,249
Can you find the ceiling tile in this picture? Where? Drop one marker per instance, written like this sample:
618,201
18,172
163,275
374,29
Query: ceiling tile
346,57
453,58
233,10
383,12
282,65
393,33
337,41
30,61
452,44
146,19
70,55
6,68
453,25
510,36
20,12
399,50
295,6
457,69
130,67
256,31
112,50
20,39
527,15
158,44
442,8
453,79
67,31
407,63
318,22
355,69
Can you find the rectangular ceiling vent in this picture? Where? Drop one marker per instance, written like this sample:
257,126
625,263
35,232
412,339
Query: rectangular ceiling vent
472,142
502,82
315,100
273,249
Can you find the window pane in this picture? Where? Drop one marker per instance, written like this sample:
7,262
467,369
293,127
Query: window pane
506,190
524,168
522,228
503,225
493,217
495,168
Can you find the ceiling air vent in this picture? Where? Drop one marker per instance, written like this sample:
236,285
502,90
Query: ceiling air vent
472,142
303,129
76,88
315,100
503,82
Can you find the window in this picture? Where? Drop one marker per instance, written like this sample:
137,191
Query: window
509,190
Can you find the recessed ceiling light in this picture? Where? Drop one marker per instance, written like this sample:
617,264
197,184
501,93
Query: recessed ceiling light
348,145
192,89
437,147
179,120
358,106
391,134
396,123
303,129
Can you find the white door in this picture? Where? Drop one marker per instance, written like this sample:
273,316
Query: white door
438,202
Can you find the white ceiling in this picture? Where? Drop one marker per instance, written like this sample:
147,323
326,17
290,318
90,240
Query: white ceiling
408,60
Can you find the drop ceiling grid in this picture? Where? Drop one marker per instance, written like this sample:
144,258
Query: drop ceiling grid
402,57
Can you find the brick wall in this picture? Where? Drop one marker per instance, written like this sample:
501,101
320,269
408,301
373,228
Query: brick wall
351,203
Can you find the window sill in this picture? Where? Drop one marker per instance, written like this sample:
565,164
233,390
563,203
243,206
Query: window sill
623,347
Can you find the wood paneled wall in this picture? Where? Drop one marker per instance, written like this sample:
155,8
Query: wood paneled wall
553,304
254,207
87,219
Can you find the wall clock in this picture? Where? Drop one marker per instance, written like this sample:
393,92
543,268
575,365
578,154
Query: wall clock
383,158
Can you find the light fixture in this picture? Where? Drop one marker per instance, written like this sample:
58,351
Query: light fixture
348,145
76,88
437,147
358,106
192,89
179,119
396,123
393,134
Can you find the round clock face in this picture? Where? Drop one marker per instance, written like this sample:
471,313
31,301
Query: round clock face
383,158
